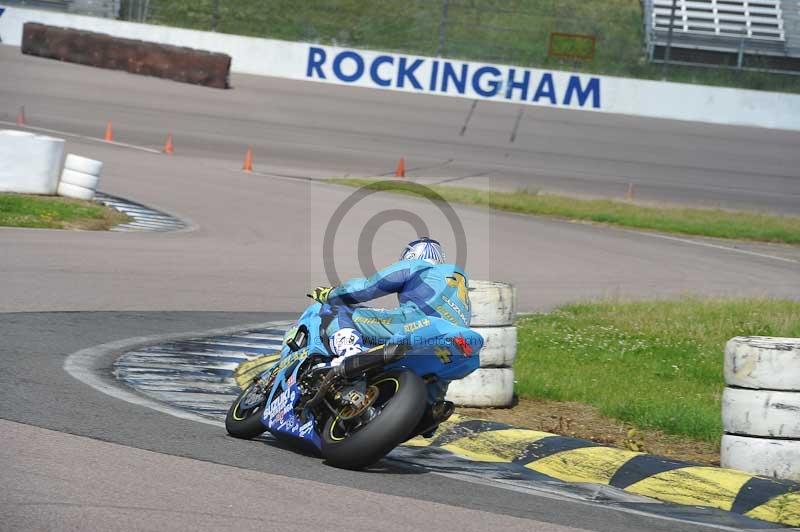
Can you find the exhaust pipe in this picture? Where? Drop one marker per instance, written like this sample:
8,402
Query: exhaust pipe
355,365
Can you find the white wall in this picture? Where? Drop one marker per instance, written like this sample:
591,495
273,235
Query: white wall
484,81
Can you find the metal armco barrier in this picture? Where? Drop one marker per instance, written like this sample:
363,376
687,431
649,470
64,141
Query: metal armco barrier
493,311
761,406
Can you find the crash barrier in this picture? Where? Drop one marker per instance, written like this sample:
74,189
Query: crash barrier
80,177
29,163
493,307
761,406
137,57
448,77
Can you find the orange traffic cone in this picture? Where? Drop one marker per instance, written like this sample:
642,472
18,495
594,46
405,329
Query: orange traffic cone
248,161
168,147
401,168
109,136
21,116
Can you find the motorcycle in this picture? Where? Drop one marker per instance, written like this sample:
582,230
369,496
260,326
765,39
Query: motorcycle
354,410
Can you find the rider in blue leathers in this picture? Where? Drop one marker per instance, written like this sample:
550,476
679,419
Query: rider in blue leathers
434,311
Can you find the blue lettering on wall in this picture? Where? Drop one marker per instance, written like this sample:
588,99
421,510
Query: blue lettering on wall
442,76
592,89
407,72
357,60
521,85
494,84
373,70
449,74
434,76
316,57
546,89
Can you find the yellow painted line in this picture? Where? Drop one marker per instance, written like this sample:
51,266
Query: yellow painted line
698,486
495,445
783,509
588,464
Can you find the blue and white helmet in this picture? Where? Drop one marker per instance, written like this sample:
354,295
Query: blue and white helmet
425,249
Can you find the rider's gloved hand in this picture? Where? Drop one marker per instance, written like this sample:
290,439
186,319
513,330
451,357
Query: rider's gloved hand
320,294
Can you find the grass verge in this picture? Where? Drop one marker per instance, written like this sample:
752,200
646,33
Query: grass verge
655,365
51,212
689,221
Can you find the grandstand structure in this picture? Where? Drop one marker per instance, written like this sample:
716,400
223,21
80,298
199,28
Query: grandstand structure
744,34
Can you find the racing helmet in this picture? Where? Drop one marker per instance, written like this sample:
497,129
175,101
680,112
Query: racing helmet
424,248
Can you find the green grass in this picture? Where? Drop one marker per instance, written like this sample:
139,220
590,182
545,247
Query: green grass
505,31
700,222
17,210
656,365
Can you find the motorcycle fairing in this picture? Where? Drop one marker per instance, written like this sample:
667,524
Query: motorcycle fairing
279,416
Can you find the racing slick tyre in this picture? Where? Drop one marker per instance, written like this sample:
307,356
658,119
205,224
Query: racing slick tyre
244,415
400,403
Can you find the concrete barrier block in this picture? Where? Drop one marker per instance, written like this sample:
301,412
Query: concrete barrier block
29,163
137,57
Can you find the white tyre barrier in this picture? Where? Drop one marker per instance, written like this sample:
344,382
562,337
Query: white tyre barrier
83,165
763,362
29,164
493,307
484,387
74,191
761,406
761,412
761,456
499,346
493,304
80,179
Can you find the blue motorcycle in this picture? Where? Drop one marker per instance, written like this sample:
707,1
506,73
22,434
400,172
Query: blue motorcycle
352,411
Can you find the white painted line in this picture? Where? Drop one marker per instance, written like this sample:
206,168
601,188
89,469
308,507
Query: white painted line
715,246
82,137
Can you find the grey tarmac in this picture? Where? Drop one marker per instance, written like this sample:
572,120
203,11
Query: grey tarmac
76,458
254,244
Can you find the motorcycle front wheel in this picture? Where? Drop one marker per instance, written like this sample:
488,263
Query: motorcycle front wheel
244,415
395,412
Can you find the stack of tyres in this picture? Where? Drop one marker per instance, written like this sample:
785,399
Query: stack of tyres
761,406
80,177
493,311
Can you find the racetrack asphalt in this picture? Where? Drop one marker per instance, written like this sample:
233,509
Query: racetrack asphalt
64,478
255,245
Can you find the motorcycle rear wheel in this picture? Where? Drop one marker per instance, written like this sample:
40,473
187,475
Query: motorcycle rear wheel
244,415
401,403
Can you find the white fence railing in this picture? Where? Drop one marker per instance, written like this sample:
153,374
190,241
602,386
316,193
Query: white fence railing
752,19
